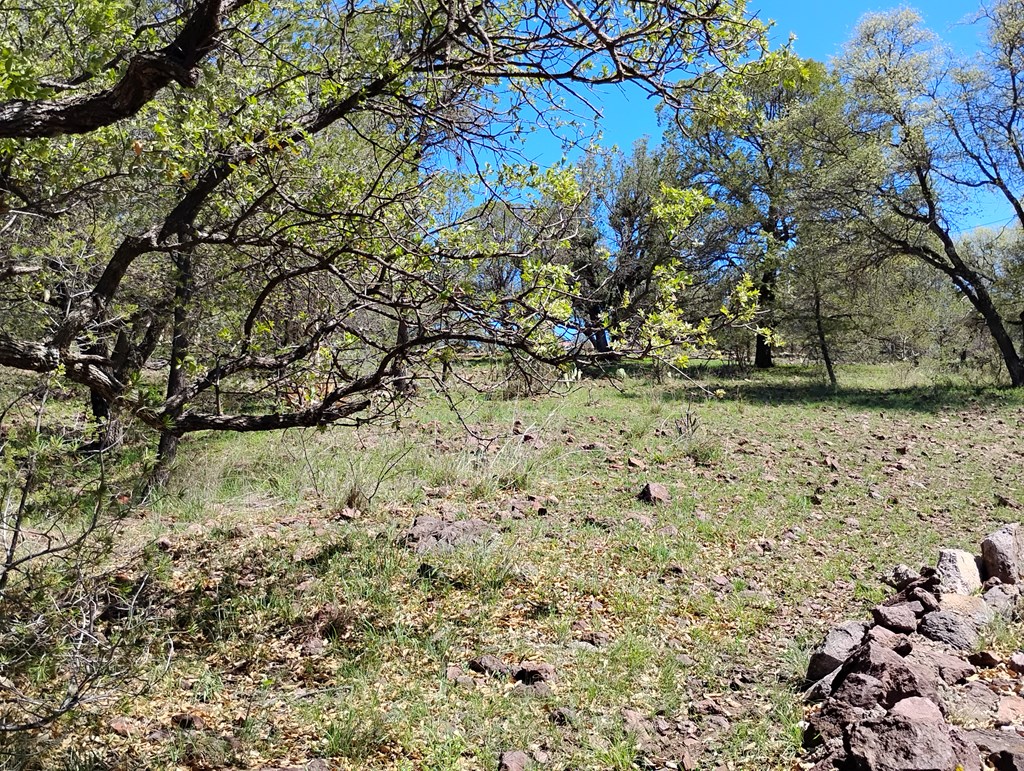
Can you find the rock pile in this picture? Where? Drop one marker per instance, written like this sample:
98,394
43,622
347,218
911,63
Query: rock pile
532,678
887,692
430,535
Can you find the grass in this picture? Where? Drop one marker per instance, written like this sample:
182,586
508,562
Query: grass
302,627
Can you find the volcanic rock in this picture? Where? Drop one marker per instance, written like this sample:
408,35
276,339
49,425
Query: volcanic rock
950,628
1001,553
838,645
654,493
958,572
431,534
899,618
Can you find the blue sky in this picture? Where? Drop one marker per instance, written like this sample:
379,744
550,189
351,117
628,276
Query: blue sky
821,29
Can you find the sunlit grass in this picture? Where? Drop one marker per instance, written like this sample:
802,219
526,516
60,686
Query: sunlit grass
303,627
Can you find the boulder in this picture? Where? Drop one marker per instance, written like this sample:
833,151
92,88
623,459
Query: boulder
890,639
839,643
821,689
455,674
902,576
431,534
994,742
950,628
899,618
860,690
594,639
539,690
973,608
188,721
121,726
490,665
1001,553
1002,599
918,709
563,716
514,760
929,601
1010,711
533,672
638,727
900,679
1007,761
827,726
896,743
654,493
950,669
958,572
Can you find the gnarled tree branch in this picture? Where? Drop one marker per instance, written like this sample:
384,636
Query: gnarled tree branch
147,73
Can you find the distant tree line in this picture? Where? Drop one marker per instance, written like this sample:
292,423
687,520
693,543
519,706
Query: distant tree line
845,194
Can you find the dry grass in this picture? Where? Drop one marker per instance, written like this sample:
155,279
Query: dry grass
303,629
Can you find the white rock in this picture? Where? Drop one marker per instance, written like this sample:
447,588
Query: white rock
958,572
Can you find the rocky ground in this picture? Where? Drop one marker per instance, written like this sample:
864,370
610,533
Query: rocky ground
628,575
912,689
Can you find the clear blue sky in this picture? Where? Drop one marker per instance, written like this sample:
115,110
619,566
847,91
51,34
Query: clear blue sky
820,29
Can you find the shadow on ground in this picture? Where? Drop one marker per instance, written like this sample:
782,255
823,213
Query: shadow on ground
797,385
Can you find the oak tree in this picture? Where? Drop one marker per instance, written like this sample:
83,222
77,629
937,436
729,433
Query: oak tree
242,215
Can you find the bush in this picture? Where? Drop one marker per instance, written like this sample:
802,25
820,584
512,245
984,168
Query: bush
69,617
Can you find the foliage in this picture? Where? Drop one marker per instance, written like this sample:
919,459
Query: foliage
902,146
248,216
728,145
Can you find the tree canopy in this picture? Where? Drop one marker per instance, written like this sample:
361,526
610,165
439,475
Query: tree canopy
247,215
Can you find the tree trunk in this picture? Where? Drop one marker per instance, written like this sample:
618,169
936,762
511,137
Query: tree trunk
1022,331
111,429
763,357
599,339
974,288
826,355
400,374
180,340
166,452
110,426
99,405
983,303
598,336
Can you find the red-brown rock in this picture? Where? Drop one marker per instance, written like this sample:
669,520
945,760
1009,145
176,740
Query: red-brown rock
654,493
